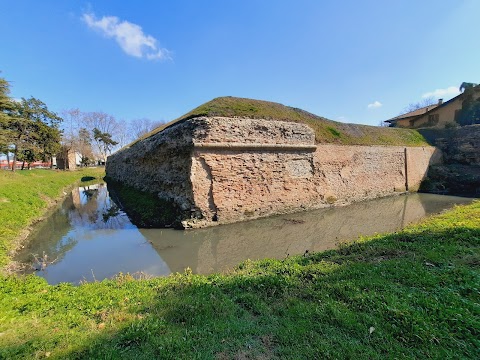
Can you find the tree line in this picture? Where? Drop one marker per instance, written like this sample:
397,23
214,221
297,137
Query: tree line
96,134
28,129
30,132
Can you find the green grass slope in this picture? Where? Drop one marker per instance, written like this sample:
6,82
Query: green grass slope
408,295
326,131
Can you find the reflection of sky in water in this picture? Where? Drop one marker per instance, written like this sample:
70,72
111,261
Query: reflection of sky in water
96,210
91,238
101,254
97,242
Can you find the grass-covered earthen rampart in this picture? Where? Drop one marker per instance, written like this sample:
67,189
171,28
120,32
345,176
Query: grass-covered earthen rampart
326,131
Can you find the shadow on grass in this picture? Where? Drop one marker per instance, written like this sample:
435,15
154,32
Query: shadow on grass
410,295
87,178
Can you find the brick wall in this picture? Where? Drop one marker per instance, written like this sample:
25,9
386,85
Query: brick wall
231,169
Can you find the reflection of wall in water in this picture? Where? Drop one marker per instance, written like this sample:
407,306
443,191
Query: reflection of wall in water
86,206
222,247
76,197
95,209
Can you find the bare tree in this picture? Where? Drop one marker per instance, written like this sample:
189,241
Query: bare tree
105,124
383,124
83,144
420,104
158,123
78,132
141,127
124,134
72,123
76,137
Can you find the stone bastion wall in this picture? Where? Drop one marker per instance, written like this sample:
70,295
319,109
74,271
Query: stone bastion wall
459,145
222,170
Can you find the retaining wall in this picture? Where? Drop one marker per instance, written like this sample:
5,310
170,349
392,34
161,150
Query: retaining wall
228,169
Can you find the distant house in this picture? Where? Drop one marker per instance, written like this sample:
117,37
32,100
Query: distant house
66,159
438,115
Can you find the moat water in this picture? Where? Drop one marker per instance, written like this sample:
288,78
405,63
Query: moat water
89,238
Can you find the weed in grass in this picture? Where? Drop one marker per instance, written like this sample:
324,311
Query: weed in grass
334,132
40,263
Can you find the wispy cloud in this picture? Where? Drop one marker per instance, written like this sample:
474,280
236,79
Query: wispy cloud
375,105
129,36
440,93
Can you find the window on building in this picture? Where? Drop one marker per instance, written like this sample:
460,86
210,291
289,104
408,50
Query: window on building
457,115
433,119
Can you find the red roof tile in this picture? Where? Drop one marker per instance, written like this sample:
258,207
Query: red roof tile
417,112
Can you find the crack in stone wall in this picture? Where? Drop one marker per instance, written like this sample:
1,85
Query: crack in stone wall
202,181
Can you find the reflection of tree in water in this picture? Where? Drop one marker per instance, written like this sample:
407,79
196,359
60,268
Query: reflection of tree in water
50,237
88,193
88,208
96,210
51,252
111,212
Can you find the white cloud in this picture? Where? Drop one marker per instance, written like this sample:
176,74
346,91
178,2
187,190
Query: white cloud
129,36
450,91
376,104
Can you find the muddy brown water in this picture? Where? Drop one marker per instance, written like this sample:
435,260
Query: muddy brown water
89,238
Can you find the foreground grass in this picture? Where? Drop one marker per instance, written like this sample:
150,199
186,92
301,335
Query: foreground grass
25,195
326,131
412,294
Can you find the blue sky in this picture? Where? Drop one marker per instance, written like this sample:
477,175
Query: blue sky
352,61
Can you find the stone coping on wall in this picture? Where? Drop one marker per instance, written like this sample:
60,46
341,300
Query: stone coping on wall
254,146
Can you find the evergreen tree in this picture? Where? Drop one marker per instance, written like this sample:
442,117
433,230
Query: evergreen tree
6,106
470,113
105,141
34,131
27,128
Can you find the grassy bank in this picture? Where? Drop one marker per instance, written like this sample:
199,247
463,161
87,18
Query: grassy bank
413,294
26,195
326,131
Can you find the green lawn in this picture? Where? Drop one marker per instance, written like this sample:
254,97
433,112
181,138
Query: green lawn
413,294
